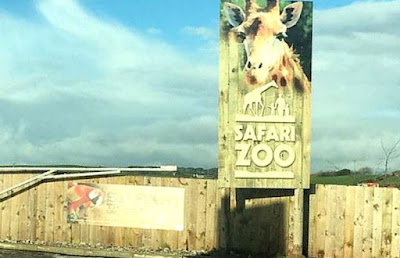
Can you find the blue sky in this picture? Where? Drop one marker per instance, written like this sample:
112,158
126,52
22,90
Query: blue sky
119,83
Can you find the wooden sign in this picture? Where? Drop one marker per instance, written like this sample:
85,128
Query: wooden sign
147,207
265,90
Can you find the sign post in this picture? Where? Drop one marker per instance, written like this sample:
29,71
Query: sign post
265,102
265,92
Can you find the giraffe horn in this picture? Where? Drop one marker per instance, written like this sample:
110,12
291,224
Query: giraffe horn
272,5
251,6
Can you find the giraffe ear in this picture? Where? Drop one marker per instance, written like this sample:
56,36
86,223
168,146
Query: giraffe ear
291,14
234,14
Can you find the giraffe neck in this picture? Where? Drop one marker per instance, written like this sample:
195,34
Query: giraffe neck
288,73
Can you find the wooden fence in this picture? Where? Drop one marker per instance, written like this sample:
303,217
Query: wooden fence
354,221
343,221
214,218
40,214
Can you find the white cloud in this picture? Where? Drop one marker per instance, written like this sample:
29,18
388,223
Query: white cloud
78,89
154,31
355,84
202,32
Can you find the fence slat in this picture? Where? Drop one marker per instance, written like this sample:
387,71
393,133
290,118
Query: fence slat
340,202
349,221
377,223
387,222
395,249
331,221
321,222
211,215
367,222
5,210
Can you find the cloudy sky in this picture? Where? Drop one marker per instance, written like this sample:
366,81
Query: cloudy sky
119,83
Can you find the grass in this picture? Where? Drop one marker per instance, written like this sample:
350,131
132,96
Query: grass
354,179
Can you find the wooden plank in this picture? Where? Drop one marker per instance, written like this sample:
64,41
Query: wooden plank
183,235
49,210
192,216
306,147
331,221
58,201
5,210
395,249
211,215
321,219
84,228
156,234
119,237
168,168
41,212
103,229
66,229
1,205
298,225
340,213
94,230
233,88
223,218
171,236
14,202
147,233
358,222
275,234
201,214
367,222
290,246
349,221
386,222
223,130
22,210
132,234
31,220
377,222
312,236
285,225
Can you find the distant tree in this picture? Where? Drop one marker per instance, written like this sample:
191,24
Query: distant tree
390,153
365,171
333,165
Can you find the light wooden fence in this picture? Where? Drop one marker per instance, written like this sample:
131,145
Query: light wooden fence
354,221
343,221
260,221
40,213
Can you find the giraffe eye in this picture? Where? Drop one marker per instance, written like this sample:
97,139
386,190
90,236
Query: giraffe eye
240,36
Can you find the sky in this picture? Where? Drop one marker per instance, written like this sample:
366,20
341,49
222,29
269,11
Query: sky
118,83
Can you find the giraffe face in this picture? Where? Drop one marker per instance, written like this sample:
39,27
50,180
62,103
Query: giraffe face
261,31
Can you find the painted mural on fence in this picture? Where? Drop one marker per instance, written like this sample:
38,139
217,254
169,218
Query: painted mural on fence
266,59
147,207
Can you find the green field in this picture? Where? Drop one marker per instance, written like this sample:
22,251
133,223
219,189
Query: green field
354,179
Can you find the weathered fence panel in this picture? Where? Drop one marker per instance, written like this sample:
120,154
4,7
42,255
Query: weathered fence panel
344,221
40,214
247,220
354,221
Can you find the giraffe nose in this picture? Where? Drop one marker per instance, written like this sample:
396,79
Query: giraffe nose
253,65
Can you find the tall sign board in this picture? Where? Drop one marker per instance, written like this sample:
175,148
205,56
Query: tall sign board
265,94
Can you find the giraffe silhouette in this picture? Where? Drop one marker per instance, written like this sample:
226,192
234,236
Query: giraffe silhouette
254,101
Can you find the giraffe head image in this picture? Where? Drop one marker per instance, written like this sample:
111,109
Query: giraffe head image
262,32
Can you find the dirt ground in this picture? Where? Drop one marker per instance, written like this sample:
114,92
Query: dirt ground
21,254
